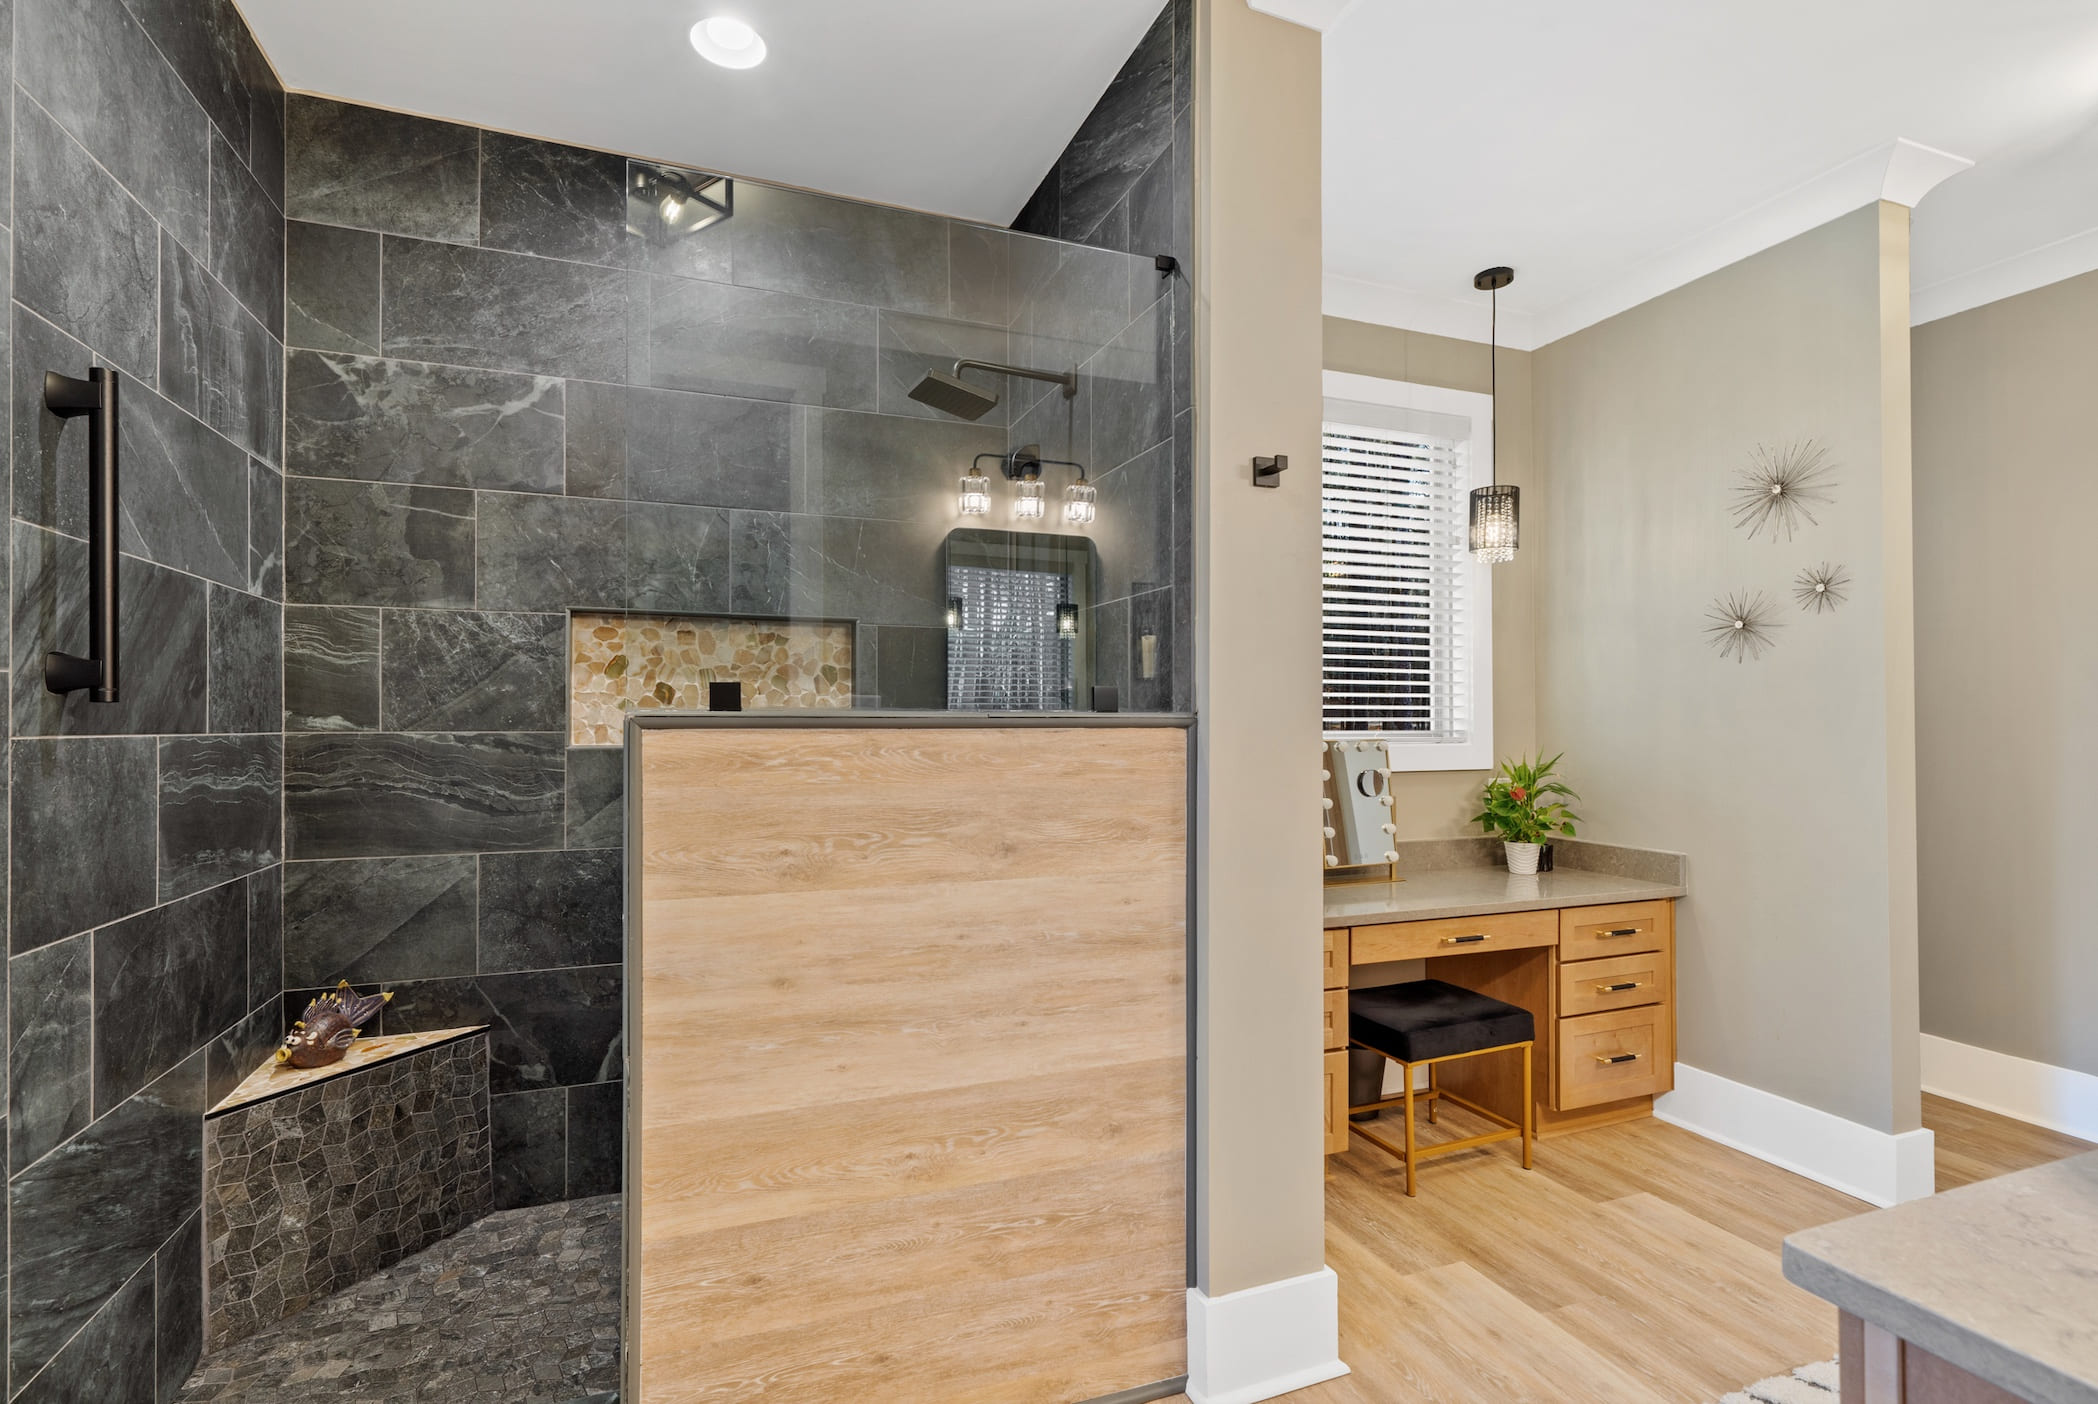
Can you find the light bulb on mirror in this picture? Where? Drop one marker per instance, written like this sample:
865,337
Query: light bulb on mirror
1331,861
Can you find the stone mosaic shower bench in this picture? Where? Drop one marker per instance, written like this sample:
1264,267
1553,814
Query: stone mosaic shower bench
317,1178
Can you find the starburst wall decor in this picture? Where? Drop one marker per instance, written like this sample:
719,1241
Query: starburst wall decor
1741,624
1821,588
1780,487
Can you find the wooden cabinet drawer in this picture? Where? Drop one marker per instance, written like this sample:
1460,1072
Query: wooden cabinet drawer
1608,1057
1336,958
1586,932
1336,1103
1418,940
1336,1019
1618,982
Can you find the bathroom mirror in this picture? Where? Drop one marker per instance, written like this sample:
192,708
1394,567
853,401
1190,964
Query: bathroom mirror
1021,622
1359,826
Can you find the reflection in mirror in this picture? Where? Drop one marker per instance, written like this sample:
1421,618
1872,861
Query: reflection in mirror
1019,620
1360,826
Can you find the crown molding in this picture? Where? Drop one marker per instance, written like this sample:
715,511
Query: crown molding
1321,15
1465,318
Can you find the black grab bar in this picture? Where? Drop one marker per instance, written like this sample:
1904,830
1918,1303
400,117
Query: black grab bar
96,398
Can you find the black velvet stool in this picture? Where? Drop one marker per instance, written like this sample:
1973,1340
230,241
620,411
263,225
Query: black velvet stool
1431,1022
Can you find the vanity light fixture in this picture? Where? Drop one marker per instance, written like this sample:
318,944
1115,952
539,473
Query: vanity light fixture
954,611
1067,621
728,42
1496,509
1081,501
976,494
1028,503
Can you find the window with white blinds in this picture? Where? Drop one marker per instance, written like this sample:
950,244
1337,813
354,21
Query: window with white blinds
1406,612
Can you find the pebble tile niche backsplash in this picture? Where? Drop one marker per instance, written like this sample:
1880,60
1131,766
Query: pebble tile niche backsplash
625,663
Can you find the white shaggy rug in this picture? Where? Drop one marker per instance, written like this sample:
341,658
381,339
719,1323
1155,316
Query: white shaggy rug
1809,1384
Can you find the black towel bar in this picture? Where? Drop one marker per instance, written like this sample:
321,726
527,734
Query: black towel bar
96,398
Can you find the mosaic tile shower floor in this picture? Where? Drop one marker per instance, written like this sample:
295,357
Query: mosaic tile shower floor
519,1308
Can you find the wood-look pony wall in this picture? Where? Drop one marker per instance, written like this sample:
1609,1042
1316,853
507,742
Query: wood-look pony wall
908,1011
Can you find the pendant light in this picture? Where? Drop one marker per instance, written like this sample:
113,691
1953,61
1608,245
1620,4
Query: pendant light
1496,509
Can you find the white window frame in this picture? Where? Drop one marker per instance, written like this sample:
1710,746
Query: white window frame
1476,751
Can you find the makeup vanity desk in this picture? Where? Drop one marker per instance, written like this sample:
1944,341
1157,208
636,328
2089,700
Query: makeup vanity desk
1590,954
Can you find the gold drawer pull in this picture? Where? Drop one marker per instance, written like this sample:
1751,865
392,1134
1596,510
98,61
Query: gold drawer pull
1617,1057
1623,931
1619,988
1472,940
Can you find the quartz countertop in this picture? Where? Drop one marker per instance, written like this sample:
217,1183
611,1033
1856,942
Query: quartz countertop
1460,892
2000,1278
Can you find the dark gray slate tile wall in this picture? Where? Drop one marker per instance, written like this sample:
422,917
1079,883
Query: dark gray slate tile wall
145,232
502,405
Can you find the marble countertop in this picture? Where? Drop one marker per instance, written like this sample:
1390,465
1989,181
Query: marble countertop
2000,1278
1455,892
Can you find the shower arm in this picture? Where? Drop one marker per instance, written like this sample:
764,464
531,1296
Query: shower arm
1067,379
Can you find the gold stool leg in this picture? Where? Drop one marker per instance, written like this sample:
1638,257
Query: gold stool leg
1407,1068
1434,1084
1529,1107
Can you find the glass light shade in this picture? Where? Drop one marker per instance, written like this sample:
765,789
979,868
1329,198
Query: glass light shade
1067,621
954,611
1028,503
1081,503
1496,523
976,495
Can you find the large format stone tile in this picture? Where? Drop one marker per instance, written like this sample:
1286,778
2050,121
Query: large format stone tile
530,1136
265,530
555,201
164,638
677,558
81,831
410,422
247,662
378,920
243,1049
503,311
50,486
331,668
216,361
1124,133
166,982
247,237
178,1299
880,465
913,672
596,797
86,255
209,46
112,1360
90,65
817,246
265,936
806,567
1080,304
596,1134
543,910
364,795
701,253
378,544
1134,530
753,343
550,553
371,169
1128,385
50,1054
979,282
83,1222
547,1028
445,670
221,813
331,288
674,446
185,491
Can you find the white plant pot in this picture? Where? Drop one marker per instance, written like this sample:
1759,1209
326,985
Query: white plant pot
1522,857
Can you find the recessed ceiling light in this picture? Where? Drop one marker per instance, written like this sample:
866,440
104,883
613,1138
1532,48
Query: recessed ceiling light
728,42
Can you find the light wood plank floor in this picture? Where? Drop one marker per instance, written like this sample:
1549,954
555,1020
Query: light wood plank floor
1637,1264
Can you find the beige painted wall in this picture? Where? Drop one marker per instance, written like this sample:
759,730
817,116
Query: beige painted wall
1785,780
1440,803
2007,672
1260,1171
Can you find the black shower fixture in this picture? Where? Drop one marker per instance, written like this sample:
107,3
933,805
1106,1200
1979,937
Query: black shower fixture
948,393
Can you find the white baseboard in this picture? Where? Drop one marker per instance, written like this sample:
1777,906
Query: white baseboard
2060,1099
1875,1166
1263,1341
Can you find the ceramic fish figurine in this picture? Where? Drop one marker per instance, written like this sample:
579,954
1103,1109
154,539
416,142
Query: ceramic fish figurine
331,1024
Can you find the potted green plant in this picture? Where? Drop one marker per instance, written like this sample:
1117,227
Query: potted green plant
1525,808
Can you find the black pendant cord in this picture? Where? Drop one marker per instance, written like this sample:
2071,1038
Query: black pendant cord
1493,385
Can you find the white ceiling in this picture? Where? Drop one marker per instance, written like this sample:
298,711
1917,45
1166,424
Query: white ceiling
1610,149
954,106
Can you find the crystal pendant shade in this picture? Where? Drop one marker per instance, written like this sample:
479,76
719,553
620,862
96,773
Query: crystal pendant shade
1495,523
976,495
1081,502
1028,503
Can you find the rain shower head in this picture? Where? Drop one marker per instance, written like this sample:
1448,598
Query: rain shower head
948,393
